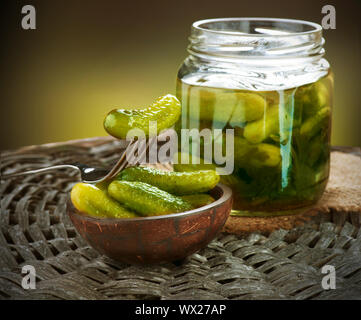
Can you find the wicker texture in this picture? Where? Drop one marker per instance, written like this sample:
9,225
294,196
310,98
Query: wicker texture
35,230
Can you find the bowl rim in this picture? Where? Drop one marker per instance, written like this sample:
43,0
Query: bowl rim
227,194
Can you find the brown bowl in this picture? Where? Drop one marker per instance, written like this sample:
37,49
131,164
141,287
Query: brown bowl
158,238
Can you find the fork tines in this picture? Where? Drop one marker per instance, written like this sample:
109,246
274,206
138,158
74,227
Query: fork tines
135,153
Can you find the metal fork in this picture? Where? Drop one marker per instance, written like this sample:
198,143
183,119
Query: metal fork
94,175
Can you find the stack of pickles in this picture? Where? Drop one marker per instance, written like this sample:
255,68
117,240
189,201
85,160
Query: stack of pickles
281,141
144,191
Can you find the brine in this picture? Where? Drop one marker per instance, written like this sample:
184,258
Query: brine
281,141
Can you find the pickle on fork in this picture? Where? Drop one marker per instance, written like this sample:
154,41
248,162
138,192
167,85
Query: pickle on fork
165,111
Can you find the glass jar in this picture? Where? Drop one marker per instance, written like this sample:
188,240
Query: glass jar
268,81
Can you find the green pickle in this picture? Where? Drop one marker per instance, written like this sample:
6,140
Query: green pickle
178,183
198,200
195,163
165,111
312,98
93,201
146,199
220,108
258,131
257,155
281,142
236,108
312,125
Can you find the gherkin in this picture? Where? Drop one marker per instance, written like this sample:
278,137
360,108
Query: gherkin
165,111
281,149
93,201
145,199
198,200
178,183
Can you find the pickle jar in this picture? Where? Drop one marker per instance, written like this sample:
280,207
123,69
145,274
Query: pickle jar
263,85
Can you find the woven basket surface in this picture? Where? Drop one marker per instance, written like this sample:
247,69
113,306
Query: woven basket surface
35,230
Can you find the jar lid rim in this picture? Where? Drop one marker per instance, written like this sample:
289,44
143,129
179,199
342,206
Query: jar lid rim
198,26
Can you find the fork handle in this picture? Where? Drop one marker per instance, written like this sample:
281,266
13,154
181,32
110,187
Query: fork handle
61,166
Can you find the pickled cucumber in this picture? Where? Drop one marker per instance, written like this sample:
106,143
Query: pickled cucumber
146,199
281,155
195,163
103,185
257,155
314,124
165,111
265,155
178,183
244,153
317,151
312,98
198,200
257,131
250,107
93,201
179,167
234,108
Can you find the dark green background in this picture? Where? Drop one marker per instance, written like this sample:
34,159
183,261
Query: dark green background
86,57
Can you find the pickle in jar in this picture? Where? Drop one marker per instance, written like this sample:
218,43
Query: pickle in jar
226,108
281,156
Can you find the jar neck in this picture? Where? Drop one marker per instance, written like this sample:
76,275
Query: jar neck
257,41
